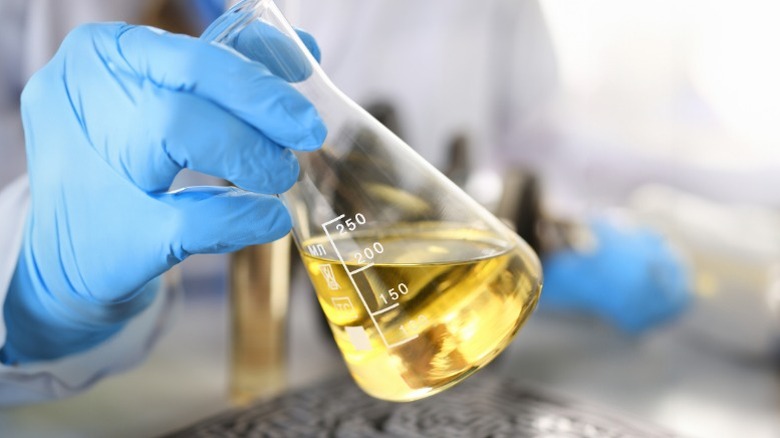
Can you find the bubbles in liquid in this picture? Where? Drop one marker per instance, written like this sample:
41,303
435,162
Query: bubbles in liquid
437,304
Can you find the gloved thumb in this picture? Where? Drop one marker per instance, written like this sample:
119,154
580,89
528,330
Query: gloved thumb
214,220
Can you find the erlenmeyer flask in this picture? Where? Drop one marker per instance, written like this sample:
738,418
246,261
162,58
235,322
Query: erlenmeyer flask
420,284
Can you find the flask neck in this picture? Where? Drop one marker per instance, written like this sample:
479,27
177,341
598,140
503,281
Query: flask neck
259,30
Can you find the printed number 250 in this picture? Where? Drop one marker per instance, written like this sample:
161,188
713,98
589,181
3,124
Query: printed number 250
351,224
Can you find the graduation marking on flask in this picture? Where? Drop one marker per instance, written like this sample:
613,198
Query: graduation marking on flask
365,257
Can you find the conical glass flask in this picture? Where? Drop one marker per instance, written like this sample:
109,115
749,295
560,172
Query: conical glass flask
420,284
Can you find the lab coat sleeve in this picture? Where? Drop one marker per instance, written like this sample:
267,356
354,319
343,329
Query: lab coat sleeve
59,378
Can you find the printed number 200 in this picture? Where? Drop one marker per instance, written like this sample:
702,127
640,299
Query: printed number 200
369,253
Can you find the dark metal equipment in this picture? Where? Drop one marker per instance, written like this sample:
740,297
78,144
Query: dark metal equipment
484,406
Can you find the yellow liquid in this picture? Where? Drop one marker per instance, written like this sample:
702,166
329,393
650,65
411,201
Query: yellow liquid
437,304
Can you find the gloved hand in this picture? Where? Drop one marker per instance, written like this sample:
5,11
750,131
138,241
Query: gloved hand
109,122
631,278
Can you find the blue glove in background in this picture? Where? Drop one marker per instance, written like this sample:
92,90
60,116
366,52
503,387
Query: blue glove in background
109,123
632,279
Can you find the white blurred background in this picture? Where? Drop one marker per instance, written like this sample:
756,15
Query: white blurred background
669,112
688,89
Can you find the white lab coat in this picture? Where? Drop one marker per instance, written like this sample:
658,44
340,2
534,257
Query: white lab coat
449,68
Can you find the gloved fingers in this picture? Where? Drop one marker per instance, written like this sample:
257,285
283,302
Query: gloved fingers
213,220
310,43
217,29
264,43
204,137
245,88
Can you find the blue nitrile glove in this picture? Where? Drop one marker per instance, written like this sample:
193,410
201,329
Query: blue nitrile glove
109,122
631,279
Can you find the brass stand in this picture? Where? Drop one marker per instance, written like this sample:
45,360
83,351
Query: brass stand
259,292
